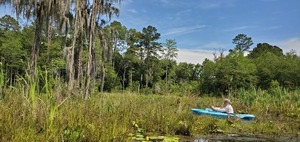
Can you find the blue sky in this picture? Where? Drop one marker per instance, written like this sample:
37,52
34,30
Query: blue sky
204,27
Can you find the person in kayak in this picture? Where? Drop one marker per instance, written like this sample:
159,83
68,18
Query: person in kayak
226,108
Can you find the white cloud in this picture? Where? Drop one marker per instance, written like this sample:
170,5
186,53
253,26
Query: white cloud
199,54
132,11
238,28
127,2
272,27
184,30
290,44
211,5
216,4
213,45
193,56
183,12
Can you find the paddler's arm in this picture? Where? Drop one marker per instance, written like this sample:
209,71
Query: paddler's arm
218,109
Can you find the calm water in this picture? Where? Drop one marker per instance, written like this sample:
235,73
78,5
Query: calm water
240,138
233,138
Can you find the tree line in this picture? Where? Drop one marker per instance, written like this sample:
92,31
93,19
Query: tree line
78,47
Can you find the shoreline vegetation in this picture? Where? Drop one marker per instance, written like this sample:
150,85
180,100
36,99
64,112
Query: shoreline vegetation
124,116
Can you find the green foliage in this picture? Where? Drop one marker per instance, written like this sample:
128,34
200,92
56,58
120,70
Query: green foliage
187,72
208,77
185,88
51,53
135,61
266,68
112,81
9,23
73,133
242,42
226,73
263,48
287,71
170,50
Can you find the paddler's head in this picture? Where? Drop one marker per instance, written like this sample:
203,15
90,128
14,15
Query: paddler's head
226,102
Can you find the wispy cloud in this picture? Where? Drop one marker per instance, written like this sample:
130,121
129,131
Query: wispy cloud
132,11
205,4
127,2
184,30
164,1
290,44
272,28
237,28
213,46
183,12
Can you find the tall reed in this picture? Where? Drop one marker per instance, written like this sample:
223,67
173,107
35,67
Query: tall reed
2,81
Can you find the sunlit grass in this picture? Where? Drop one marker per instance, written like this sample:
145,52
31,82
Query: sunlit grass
110,117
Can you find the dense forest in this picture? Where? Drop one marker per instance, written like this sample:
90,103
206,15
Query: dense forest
79,48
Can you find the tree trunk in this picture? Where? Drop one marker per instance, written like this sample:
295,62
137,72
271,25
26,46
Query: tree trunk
79,65
147,79
83,36
94,68
36,45
90,56
11,77
109,50
123,79
104,46
70,61
78,62
167,79
130,79
71,53
48,36
102,76
88,72
141,81
2,79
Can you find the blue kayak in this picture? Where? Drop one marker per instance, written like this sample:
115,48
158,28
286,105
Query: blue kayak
221,115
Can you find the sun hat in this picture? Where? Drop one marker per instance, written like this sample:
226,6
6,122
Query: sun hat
227,100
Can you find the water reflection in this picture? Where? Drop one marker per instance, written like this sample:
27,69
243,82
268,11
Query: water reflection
229,140
249,139
201,140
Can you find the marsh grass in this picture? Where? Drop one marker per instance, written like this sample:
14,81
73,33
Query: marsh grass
110,117
2,81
